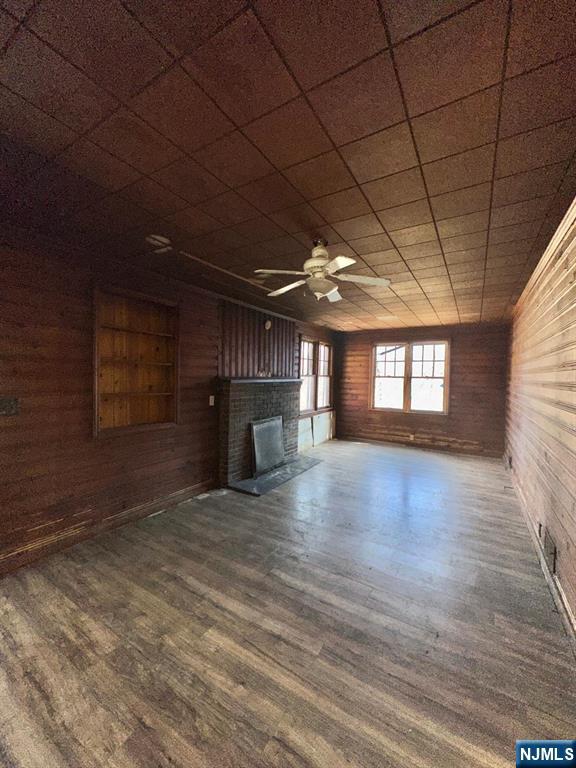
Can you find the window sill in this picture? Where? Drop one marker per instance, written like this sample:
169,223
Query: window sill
408,413
307,414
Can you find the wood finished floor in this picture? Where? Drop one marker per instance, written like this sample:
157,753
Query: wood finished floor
384,609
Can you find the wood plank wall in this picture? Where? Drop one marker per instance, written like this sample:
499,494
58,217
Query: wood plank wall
249,350
476,418
541,428
58,483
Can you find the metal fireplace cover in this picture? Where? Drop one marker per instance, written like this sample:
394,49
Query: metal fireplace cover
268,444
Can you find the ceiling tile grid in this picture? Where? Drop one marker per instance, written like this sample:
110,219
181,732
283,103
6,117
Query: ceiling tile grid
433,142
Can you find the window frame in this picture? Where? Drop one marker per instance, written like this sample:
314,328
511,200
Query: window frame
408,377
104,432
315,367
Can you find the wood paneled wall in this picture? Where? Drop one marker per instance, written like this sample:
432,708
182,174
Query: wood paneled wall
476,417
59,483
541,429
250,350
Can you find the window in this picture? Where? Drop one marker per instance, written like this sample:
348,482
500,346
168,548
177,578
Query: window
324,375
308,388
411,377
136,348
316,375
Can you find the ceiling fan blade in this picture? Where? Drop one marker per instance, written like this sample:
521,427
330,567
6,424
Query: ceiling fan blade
287,288
340,262
333,296
278,272
381,282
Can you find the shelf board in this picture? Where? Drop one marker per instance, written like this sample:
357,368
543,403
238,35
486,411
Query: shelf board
140,333
136,394
121,361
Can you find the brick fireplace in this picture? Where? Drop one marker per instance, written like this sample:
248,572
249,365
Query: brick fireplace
242,401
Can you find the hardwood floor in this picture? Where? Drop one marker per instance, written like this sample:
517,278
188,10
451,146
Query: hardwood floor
385,608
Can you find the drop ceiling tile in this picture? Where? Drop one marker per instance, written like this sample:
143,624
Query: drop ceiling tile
271,193
43,77
109,216
320,176
542,146
464,242
342,205
259,230
518,213
453,59
194,221
538,98
234,160
327,233
464,170
389,258
407,215
242,72
18,8
189,180
289,135
23,122
423,233
221,240
461,201
541,31
152,197
317,43
510,248
8,25
471,256
17,163
372,244
229,208
103,40
178,109
381,154
287,246
397,189
358,227
420,250
466,124
94,163
406,17
462,225
361,101
301,218
181,25
129,138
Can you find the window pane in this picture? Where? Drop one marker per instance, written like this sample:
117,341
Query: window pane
427,395
390,368
380,368
417,352
438,368
416,369
399,369
323,391
429,352
440,351
389,393
400,353
307,393
427,368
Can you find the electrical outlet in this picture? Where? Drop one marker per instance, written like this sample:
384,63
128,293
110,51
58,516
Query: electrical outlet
211,400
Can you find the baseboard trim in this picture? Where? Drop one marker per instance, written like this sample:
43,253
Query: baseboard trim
554,585
55,542
423,446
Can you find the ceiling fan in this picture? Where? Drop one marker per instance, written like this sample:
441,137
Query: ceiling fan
319,268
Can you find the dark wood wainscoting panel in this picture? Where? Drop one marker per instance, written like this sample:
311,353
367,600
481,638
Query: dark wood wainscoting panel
541,428
476,417
58,482
249,349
